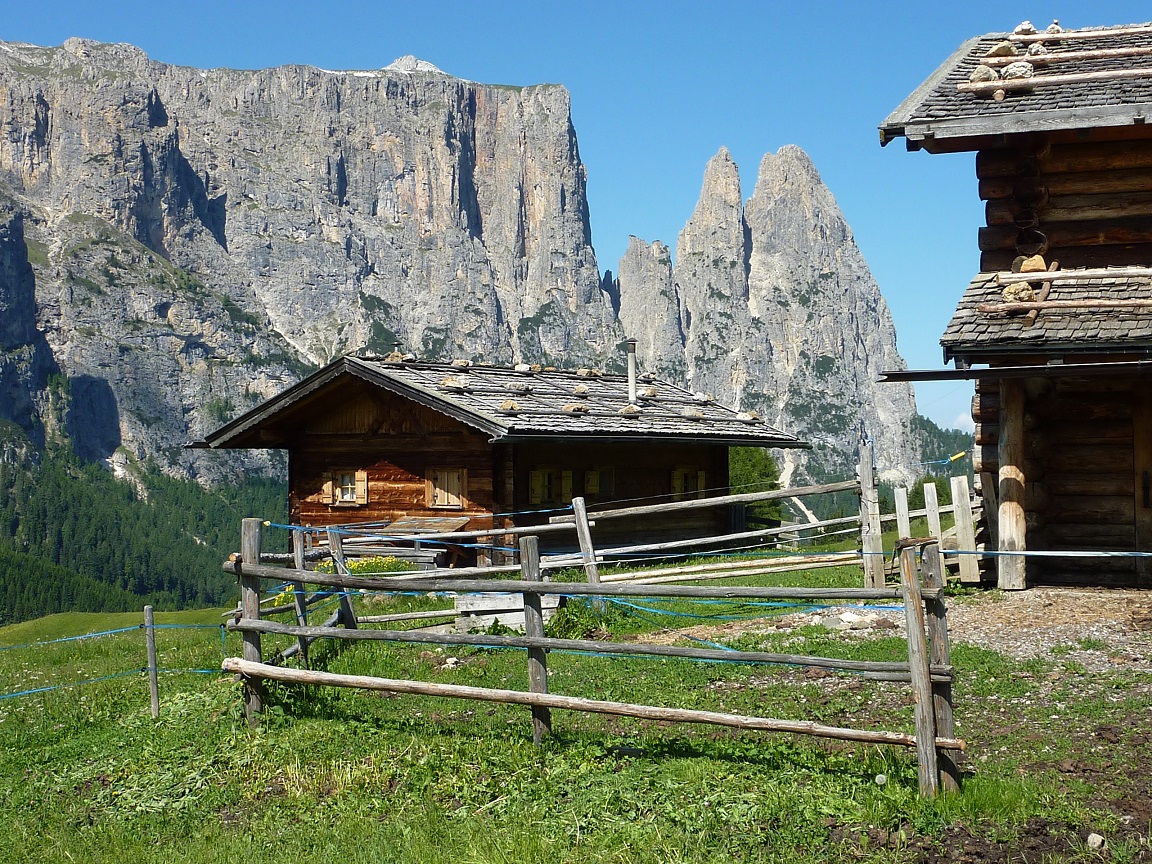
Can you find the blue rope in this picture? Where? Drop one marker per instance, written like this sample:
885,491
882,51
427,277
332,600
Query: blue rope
72,638
72,684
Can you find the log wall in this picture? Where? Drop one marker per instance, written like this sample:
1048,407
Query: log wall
1082,204
1081,480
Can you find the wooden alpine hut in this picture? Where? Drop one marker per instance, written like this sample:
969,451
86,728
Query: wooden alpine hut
1056,328
463,446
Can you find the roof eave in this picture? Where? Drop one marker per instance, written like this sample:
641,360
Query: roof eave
524,436
895,125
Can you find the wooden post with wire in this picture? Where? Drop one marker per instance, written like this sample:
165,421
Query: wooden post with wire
299,597
870,536
918,663
534,628
250,540
932,565
153,680
587,550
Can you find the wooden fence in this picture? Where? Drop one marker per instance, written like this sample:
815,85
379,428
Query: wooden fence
927,670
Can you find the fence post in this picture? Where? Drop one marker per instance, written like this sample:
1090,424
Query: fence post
587,551
941,655
932,509
299,598
336,545
965,531
534,627
153,681
870,535
921,674
250,539
903,522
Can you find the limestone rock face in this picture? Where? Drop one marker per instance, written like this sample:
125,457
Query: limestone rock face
780,314
210,235
177,245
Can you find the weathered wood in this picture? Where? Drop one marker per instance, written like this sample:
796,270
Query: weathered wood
406,616
718,501
1101,232
1067,36
1065,159
1077,257
250,540
965,531
347,614
573,703
932,566
744,565
534,629
871,539
985,407
1040,304
989,493
153,672
918,663
932,509
1057,58
1142,479
879,669
795,565
983,88
373,583
1080,183
903,523
299,597
1073,208
1010,570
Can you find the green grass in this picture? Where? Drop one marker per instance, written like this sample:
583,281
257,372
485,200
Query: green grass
87,775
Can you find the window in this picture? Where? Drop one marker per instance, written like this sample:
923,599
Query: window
549,486
688,482
346,488
599,483
445,488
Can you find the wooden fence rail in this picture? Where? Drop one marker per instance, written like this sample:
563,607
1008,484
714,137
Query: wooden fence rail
929,675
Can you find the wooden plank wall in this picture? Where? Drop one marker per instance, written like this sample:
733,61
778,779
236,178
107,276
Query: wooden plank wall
396,445
1092,202
1078,463
642,474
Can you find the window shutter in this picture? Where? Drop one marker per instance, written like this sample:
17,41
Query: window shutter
535,487
591,482
328,495
566,486
677,484
453,487
701,484
361,487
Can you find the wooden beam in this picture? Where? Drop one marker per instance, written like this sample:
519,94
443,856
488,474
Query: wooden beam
1100,232
1037,305
1057,57
903,523
1072,208
534,629
1078,35
718,501
1069,158
1011,571
573,703
987,88
1062,185
880,670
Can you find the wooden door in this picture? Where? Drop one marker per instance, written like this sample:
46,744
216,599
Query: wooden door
1142,465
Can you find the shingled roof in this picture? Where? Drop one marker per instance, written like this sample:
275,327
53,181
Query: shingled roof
1089,78
1083,328
527,402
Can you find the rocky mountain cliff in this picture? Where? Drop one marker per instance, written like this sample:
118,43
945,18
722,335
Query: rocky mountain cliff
771,306
178,244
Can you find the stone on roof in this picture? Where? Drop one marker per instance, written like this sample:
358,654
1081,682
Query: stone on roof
1054,329
1116,92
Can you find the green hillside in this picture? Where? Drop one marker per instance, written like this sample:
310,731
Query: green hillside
74,538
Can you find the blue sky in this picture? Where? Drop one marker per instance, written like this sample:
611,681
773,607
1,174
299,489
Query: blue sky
657,89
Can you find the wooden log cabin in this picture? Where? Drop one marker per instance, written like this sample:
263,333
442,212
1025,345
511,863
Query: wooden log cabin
1056,328
379,440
